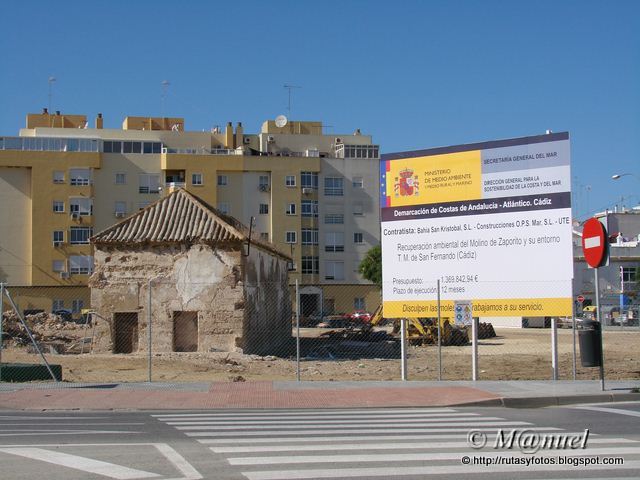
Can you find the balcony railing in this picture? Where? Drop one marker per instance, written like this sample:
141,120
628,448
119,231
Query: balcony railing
202,151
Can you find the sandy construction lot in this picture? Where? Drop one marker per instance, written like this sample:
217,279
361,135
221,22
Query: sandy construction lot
515,354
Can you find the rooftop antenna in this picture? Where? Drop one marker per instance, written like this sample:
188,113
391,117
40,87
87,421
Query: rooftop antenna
165,86
289,88
51,80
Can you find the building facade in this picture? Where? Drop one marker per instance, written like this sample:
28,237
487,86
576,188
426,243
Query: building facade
312,194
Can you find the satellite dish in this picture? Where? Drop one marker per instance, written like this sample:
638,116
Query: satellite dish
281,121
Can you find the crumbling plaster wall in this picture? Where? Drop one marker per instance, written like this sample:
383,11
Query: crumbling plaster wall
267,303
198,278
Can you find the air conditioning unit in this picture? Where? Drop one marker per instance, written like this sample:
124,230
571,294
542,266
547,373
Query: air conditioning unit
246,140
75,216
64,275
57,244
119,214
307,191
337,140
271,139
264,188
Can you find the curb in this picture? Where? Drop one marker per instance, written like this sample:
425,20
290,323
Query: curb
552,401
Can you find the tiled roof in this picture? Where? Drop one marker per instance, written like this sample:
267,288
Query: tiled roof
180,217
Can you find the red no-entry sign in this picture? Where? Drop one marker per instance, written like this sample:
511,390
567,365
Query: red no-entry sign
580,298
594,243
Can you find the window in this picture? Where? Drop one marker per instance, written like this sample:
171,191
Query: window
309,179
264,236
77,306
358,303
333,186
263,181
196,179
361,151
58,206
121,178
310,265
58,177
309,208
309,236
334,242
335,218
629,274
358,237
120,209
223,207
358,182
80,235
264,208
222,180
149,183
291,209
358,209
58,266
334,270
290,181
290,237
291,266
79,176
81,206
58,237
80,264
151,147
57,305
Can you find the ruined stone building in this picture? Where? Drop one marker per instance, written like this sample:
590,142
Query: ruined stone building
193,271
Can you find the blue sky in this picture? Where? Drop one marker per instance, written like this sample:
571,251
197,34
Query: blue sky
414,74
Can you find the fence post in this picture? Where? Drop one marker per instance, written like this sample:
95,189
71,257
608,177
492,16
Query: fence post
439,337
474,348
573,334
149,324
297,331
599,319
1,326
554,347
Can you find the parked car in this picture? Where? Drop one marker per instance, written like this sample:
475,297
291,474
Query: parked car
361,316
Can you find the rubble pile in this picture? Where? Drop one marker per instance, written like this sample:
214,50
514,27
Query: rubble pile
45,328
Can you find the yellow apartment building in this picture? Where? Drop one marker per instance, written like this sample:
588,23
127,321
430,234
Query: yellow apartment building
314,195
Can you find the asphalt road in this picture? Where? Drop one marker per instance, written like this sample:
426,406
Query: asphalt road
302,444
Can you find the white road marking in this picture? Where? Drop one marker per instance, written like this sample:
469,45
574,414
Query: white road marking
306,412
178,461
84,464
377,446
414,457
426,425
205,418
273,433
66,432
420,471
324,422
619,411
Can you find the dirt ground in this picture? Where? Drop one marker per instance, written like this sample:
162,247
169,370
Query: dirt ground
515,354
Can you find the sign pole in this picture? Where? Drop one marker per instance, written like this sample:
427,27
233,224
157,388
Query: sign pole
599,320
554,347
474,348
1,319
573,333
297,331
403,348
439,337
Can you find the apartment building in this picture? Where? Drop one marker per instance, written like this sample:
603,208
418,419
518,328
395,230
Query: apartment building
314,195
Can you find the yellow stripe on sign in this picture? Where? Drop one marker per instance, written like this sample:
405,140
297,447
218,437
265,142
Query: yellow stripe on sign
496,307
435,179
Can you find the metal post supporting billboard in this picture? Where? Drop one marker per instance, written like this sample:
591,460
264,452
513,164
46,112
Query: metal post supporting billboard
403,348
599,320
1,319
297,331
573,330
439,337
554,348
474,348
149,326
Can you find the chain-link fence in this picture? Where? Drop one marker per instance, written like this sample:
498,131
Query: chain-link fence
223,330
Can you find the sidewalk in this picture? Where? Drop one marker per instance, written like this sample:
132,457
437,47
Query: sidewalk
281,394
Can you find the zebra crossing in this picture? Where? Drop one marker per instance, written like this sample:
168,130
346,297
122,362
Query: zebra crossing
371,443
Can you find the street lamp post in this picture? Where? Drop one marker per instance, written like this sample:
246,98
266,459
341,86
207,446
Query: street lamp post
620,175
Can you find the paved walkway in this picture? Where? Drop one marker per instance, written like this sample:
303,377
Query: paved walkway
161,396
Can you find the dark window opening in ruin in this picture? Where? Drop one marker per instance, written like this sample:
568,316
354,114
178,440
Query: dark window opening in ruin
125,332
185,331
309,304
